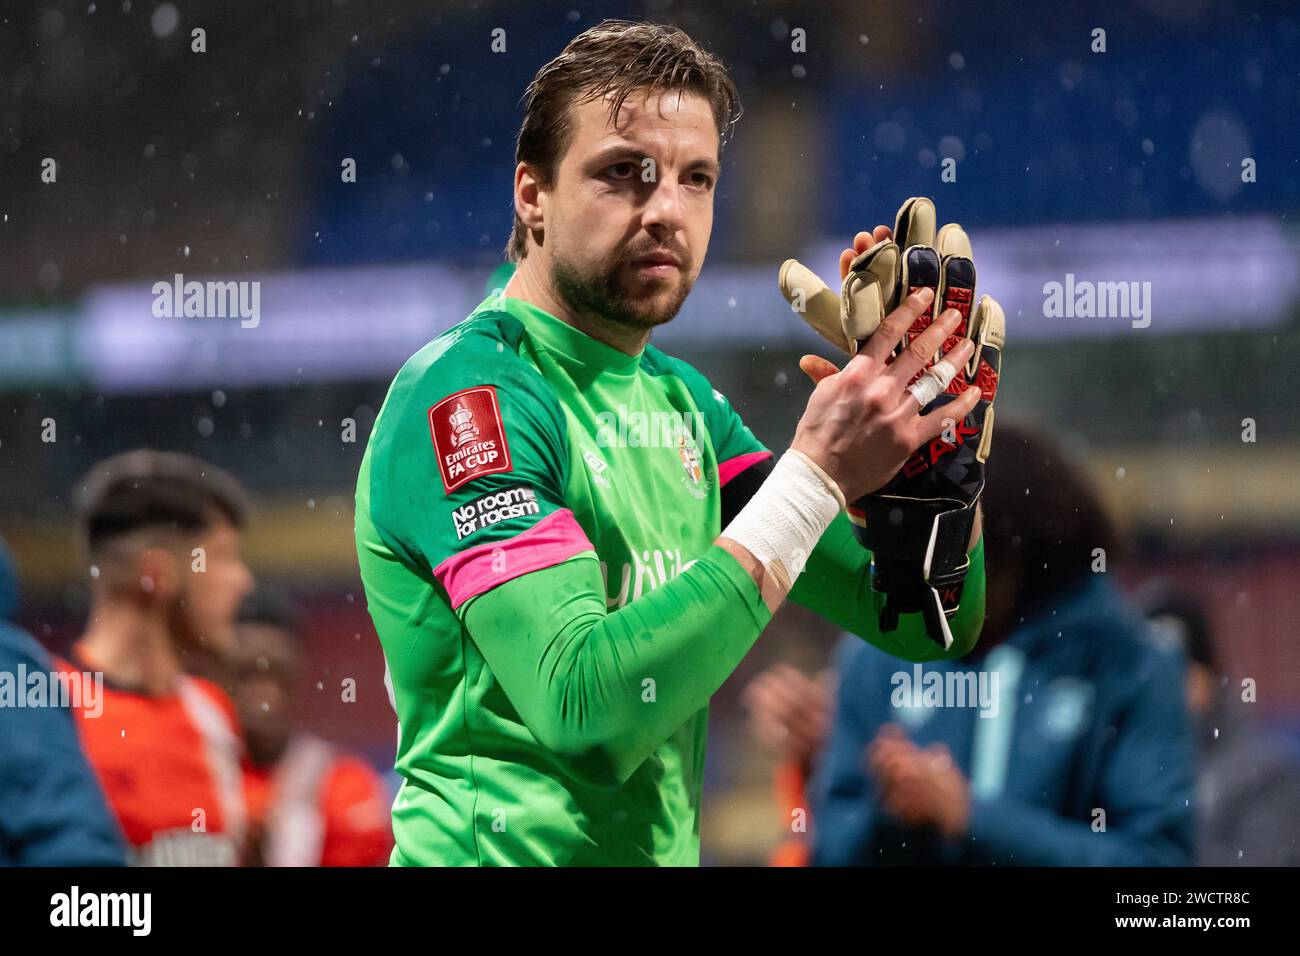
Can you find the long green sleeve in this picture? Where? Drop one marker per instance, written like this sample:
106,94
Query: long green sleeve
836,583
604,690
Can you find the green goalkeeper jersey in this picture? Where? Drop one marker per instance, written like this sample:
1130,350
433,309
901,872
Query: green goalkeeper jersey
535,520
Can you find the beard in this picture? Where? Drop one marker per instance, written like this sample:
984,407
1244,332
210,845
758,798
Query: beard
603,293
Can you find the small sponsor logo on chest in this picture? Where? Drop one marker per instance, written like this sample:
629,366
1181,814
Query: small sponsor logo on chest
598,469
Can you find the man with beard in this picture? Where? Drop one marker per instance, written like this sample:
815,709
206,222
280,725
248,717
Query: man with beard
569,539
162,535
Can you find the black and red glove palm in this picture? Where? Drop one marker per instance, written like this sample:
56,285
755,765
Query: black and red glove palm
918,525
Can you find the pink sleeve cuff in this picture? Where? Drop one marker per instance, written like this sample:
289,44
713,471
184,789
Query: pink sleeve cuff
733,466
555,538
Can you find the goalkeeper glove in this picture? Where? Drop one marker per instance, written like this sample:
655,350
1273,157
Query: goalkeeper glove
917,526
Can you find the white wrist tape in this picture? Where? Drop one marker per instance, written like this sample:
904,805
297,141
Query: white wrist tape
787,516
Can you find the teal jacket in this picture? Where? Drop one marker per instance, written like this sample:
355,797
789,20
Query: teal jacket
1089,717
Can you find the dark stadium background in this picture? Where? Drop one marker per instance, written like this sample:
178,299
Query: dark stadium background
226,164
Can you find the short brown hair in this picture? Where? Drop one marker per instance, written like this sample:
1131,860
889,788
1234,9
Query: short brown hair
618,57
1043,516
146,489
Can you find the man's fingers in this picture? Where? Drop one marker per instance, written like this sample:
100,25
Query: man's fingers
861,243
763,696
785,673
921,350
865,240
753,691
791,698
805,733
846,257
936,379
888,766
938,755
880,346
944,417
887,744
785,693
817,368
890,732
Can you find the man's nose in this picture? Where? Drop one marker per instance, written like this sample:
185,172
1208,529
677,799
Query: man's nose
664,213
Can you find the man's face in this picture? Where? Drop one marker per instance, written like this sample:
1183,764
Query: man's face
210,597
628,217
264,666
1198,688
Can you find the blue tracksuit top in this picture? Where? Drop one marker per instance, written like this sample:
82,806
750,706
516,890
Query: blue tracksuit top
52,810
1089,717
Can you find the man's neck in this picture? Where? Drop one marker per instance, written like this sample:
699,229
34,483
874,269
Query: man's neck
131,648
531,283
265,754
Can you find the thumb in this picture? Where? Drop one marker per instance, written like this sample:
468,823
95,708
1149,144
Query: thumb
817,368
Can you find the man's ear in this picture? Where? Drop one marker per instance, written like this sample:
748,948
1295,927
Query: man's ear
158,577
528,198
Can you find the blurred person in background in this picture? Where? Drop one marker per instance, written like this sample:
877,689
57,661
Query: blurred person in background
162,535
52,811
308,803
1248,784
790,714
1085,756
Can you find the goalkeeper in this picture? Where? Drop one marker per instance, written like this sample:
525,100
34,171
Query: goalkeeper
569,540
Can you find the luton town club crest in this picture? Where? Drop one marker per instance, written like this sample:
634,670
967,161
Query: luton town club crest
690,457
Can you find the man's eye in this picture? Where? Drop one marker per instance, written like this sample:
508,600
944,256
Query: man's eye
702,180
621,170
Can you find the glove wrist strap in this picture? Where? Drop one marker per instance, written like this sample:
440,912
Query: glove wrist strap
919,548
